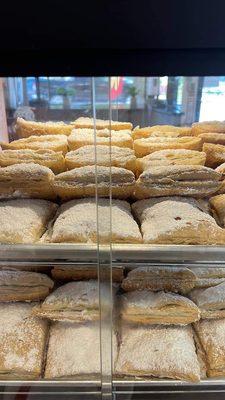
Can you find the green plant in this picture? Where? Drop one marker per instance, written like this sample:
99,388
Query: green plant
65,92
133,91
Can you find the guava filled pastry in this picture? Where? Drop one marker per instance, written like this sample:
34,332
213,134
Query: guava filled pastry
76,223
176,220
180,180
48,158
121,157
155,278
147,307
24,221
22,342
170,157
211,301
18,285
87,181
145,146
211,335
28,128
215,154
74,301
212,137
161,130
84,272
84,137
85,122
26,180
208,276
158,351
208,126
45,142
74,350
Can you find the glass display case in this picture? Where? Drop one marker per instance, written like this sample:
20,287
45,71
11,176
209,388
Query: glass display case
112,263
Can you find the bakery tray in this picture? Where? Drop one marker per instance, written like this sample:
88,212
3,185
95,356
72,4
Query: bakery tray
121,253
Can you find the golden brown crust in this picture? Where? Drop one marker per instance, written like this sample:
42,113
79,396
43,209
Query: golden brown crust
208,126
102,155
143,147
46,142
26,181
161,130
218,205
215,138
215,154
88,123
84,137
81,182
83,273
48,158
29,128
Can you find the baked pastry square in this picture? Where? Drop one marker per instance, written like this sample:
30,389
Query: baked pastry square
22,342
212,137
76,223
24,221
162,352
215,154
26,180
180,180
176,220
74,351
208,276
18,285
146,307
48,158
121,157
170,157
28,128
84,272
74,301
45,142
169,279
211,335
211,301
161,130
145,146
85,122
208,126
81,182
218,206
84,137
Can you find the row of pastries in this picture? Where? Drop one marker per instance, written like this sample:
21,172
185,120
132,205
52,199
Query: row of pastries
168,323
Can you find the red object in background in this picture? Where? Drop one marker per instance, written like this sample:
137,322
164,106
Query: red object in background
116,86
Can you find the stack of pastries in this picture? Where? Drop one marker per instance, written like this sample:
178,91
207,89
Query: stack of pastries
167,183
169,322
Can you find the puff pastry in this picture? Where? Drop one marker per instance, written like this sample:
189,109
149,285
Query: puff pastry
211,301
161,130
208,126
23,286
74,350
74,301
215,154
77,273
146,307
170,279
182,180
170,157
176,220
211,334
218,205
76,222
22,342
207,277
145,146
122,157
81,182
48,158
26,180
46,142
28,128
221,170
162,352
24,221
84,137
215,138
85,122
